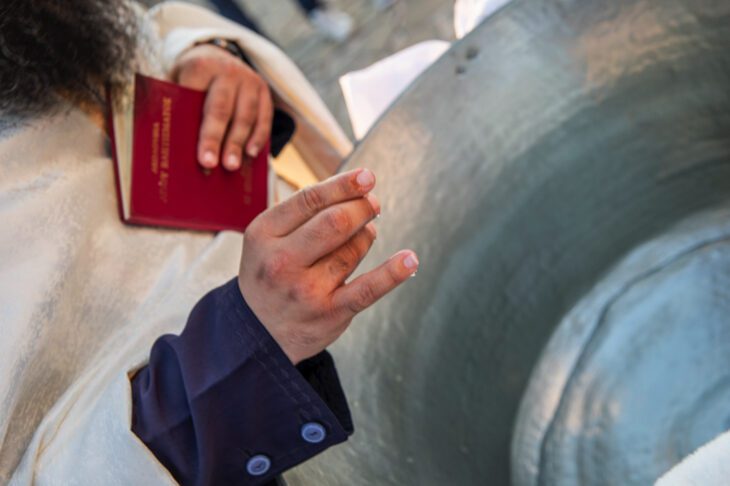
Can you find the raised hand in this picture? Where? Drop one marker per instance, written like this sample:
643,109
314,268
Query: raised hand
297,257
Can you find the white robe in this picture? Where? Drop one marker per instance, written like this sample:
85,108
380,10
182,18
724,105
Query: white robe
83,297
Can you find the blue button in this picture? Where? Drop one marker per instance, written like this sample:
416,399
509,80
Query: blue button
258,465
313,432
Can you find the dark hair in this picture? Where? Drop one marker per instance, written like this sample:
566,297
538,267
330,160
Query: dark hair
61,49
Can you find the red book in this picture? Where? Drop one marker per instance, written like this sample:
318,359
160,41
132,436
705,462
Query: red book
154,130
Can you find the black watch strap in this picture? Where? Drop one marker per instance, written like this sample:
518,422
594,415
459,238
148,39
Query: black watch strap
229,45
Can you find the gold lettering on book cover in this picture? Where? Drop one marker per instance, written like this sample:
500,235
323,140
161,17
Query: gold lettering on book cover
164,176
155,162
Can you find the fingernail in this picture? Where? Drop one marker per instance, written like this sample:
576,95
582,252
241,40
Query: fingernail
374,203
253,150
365,179
232,162
411,262
209,159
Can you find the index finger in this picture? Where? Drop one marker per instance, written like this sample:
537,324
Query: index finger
287,216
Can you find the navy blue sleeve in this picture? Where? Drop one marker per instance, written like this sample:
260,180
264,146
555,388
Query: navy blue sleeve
222,404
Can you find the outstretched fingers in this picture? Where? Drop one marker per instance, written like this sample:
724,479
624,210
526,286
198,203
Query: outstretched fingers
332,228
307,203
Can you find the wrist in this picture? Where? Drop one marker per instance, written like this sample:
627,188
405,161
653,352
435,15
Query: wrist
228,45
280,339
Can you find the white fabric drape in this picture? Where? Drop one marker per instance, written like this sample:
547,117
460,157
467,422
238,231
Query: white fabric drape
83,297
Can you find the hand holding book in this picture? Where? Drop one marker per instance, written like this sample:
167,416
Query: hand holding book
238,108
168,140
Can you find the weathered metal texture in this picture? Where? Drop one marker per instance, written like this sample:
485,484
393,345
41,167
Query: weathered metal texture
545,147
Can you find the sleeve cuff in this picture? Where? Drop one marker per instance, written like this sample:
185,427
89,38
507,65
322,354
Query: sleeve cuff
320,372
309,413
222,403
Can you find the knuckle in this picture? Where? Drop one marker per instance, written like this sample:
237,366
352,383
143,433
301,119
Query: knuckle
338,221
311,200
273,268
234,144
251,101
197,63
351,253
230,68
247,111
210,138
244,118
348,186
339,265
363,299
304,291
316,235
335,314
220,109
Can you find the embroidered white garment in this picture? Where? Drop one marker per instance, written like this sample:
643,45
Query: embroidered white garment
83,297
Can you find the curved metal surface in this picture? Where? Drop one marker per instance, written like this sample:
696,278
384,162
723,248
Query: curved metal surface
635,377
540,151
